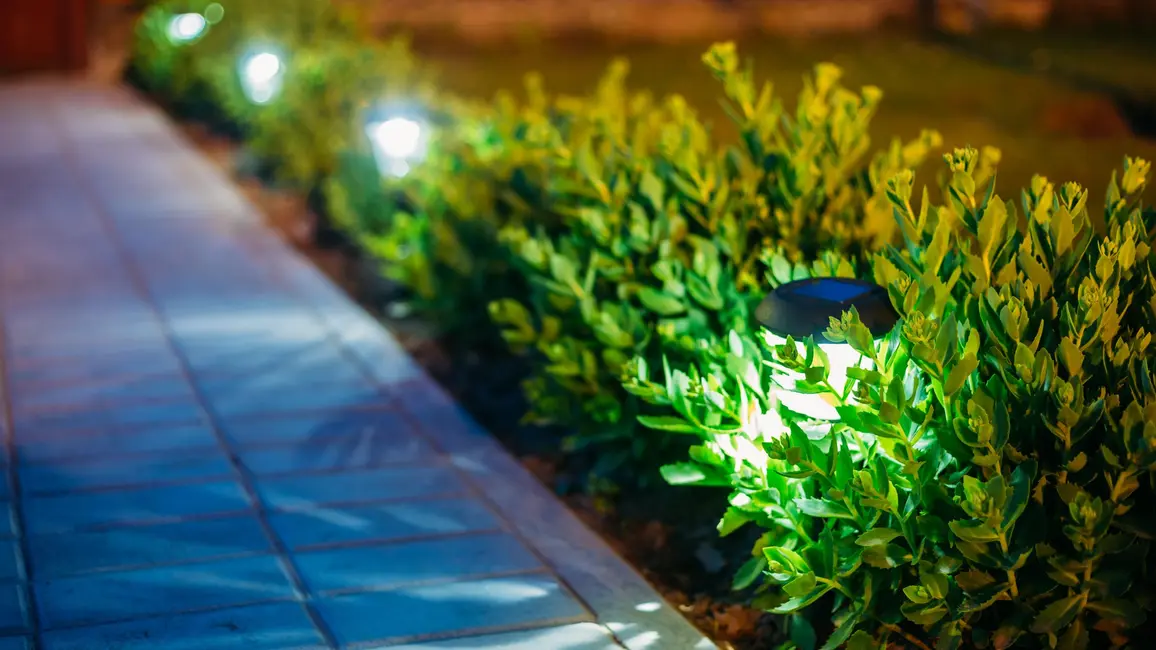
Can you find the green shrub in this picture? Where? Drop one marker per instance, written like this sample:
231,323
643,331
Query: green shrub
205,71
435,230
988,478
662,237
159,65
319,112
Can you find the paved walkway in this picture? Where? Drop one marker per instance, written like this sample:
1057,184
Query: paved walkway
207,446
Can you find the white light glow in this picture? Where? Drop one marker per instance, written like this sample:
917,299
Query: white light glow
397,143
398,137
186,27
842,357
262,68
261,76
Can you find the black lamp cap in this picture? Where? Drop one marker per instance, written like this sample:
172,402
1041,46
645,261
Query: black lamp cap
805,307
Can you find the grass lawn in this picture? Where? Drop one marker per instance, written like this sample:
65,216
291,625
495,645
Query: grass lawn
968,101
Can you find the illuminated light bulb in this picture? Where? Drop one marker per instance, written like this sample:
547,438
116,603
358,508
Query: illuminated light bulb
805,308
186,27
397,142
261,76
263,68
398,137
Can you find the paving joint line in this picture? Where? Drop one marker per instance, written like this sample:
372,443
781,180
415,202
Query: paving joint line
246,481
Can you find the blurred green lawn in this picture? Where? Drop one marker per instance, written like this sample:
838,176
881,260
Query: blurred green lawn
969,102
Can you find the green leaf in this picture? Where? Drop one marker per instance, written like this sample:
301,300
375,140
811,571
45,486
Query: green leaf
1071,356
877,536
689,474
823,509
1058,615
973,580
796,604
802,585
972,531
862,641
750,571
660,302
1021,491
917,594
669,423
959,374
1119,610
802,633
731,521
843,631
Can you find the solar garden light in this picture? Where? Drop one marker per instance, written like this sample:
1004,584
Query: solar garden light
399,139
804,308
261,75
185,28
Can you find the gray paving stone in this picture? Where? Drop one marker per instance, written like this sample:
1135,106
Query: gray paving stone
178,439
359,486
335,452
276,626
382,522
579,636
101,417
125,595
317,357
79,476
450,608
94,370
379,567
337,373
302,397
141,546
114,390
302,428
64,513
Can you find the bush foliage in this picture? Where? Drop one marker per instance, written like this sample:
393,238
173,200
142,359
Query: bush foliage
982,476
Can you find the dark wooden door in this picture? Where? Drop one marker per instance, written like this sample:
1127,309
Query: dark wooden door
43,35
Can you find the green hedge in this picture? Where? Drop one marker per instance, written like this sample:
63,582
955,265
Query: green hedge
981,477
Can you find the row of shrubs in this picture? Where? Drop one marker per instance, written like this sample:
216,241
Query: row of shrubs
987,478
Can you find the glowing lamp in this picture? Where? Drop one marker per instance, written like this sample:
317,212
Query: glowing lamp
261,74
804,308
185,28
398,141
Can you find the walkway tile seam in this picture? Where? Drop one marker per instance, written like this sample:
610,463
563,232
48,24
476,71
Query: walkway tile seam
227,514
132,265
29,611
305,548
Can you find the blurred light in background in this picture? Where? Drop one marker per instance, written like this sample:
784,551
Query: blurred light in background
397,143
184,28
261,76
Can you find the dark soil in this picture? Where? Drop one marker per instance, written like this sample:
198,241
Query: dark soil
667,534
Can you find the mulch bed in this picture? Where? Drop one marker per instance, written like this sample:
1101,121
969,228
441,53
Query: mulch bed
667,534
